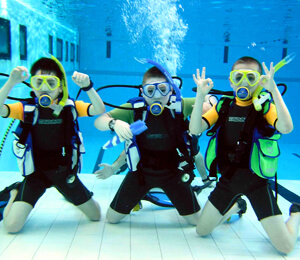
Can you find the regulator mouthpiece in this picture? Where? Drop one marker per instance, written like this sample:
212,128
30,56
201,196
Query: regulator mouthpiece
242,93
156,108
45,100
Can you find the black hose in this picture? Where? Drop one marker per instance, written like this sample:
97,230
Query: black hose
6,134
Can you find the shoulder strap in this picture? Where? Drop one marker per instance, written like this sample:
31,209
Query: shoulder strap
245,138
139,104
222,109
29,114
71,129
181,128
262,125
71,103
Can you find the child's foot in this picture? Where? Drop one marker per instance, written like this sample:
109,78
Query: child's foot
6,193
295,208
243,208
208,182
242,205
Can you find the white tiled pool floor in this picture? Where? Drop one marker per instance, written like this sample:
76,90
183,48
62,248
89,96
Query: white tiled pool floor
57,230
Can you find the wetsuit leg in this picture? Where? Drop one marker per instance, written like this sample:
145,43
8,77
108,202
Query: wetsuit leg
32,188
69,186
182,196
129,193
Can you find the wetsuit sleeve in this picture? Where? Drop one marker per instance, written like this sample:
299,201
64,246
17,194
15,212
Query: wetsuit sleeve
82,108
211,116
123,114
15,111
187,106
271,115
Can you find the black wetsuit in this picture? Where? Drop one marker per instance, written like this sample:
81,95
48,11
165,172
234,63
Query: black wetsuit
239,180
52,168
157,168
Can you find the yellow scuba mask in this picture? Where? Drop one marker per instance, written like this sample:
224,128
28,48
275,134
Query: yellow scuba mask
237,76
52,82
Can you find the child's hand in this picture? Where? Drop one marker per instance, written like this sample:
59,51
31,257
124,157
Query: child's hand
104,173
81,79
123,130
18,75
203,85
267,81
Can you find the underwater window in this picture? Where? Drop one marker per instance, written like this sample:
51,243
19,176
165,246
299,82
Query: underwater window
284,52
5,42
50,44
59,49
226,52
108,49
67,51
77,53
23,42
72,52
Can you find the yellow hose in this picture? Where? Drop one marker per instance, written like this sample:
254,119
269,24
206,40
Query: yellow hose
64,84
255,100
280,64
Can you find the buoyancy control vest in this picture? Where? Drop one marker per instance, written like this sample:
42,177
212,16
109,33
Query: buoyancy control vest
175,119
72,147
257,143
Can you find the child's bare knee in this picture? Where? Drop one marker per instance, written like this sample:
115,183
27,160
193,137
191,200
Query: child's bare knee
202,230
285,247
114,217
96,216
12,226
112,220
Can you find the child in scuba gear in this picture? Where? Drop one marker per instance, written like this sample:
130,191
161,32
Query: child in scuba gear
237,178
109,170
51,152
159,159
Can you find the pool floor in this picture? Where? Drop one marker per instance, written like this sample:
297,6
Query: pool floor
57,230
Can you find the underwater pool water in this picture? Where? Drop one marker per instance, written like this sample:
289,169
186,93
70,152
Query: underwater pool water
181,35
